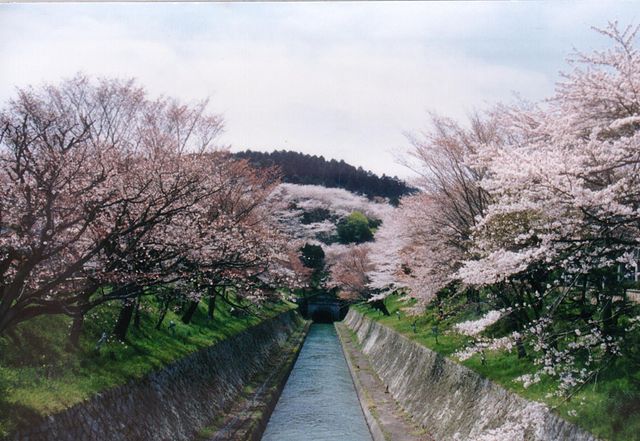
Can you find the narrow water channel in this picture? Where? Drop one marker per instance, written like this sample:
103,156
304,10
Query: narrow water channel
319,401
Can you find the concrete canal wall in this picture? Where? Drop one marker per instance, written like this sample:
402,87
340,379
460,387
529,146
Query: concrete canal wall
175,402
449,400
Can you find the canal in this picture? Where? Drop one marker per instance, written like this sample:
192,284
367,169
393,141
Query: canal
319,401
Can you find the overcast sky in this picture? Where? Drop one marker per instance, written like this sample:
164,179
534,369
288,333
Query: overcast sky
344,80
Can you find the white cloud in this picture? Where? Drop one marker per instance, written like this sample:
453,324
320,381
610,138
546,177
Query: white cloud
339,79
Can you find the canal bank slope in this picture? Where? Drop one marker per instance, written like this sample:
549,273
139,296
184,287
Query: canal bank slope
386,419
449,400
177,401
247,419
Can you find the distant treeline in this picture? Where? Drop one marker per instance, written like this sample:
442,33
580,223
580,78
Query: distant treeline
300,168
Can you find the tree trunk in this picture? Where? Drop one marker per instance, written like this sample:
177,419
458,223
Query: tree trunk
76,329
191,309
379,305
163,314
584,312
78,323
608,322
608,319
14,338
522,351
136,316
212,302
126,313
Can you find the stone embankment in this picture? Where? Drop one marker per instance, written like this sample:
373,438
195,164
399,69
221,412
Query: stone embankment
177,401
385,418
449,400
247,419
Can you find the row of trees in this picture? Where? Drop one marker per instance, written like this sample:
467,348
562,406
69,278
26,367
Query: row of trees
299,168
533,210
105,192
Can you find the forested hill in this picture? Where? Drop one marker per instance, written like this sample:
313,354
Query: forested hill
300,168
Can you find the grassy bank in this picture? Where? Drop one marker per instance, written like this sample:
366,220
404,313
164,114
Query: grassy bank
609,407
39,376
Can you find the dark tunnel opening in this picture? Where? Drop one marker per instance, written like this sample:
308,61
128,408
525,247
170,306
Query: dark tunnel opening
323,315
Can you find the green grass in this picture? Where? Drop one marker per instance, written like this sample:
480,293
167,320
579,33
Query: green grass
609,407
38,376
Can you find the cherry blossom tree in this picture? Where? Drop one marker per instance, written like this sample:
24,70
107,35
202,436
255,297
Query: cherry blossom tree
535,207
104,187
349,271
439,220
563,221
386,255
67,158
106,192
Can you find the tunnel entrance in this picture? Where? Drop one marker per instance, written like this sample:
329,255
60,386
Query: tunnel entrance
323,313
324,308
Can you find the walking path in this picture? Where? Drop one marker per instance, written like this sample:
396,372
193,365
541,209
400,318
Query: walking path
387,421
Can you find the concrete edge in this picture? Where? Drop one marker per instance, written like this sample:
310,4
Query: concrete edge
361,318
248,418
374,426
281,380
109,413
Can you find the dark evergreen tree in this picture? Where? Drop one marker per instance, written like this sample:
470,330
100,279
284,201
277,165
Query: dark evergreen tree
300,168
312,256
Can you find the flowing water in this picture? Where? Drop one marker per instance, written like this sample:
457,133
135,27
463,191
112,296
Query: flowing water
319,401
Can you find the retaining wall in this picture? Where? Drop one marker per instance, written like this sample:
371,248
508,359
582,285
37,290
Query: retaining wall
175,402
451,401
